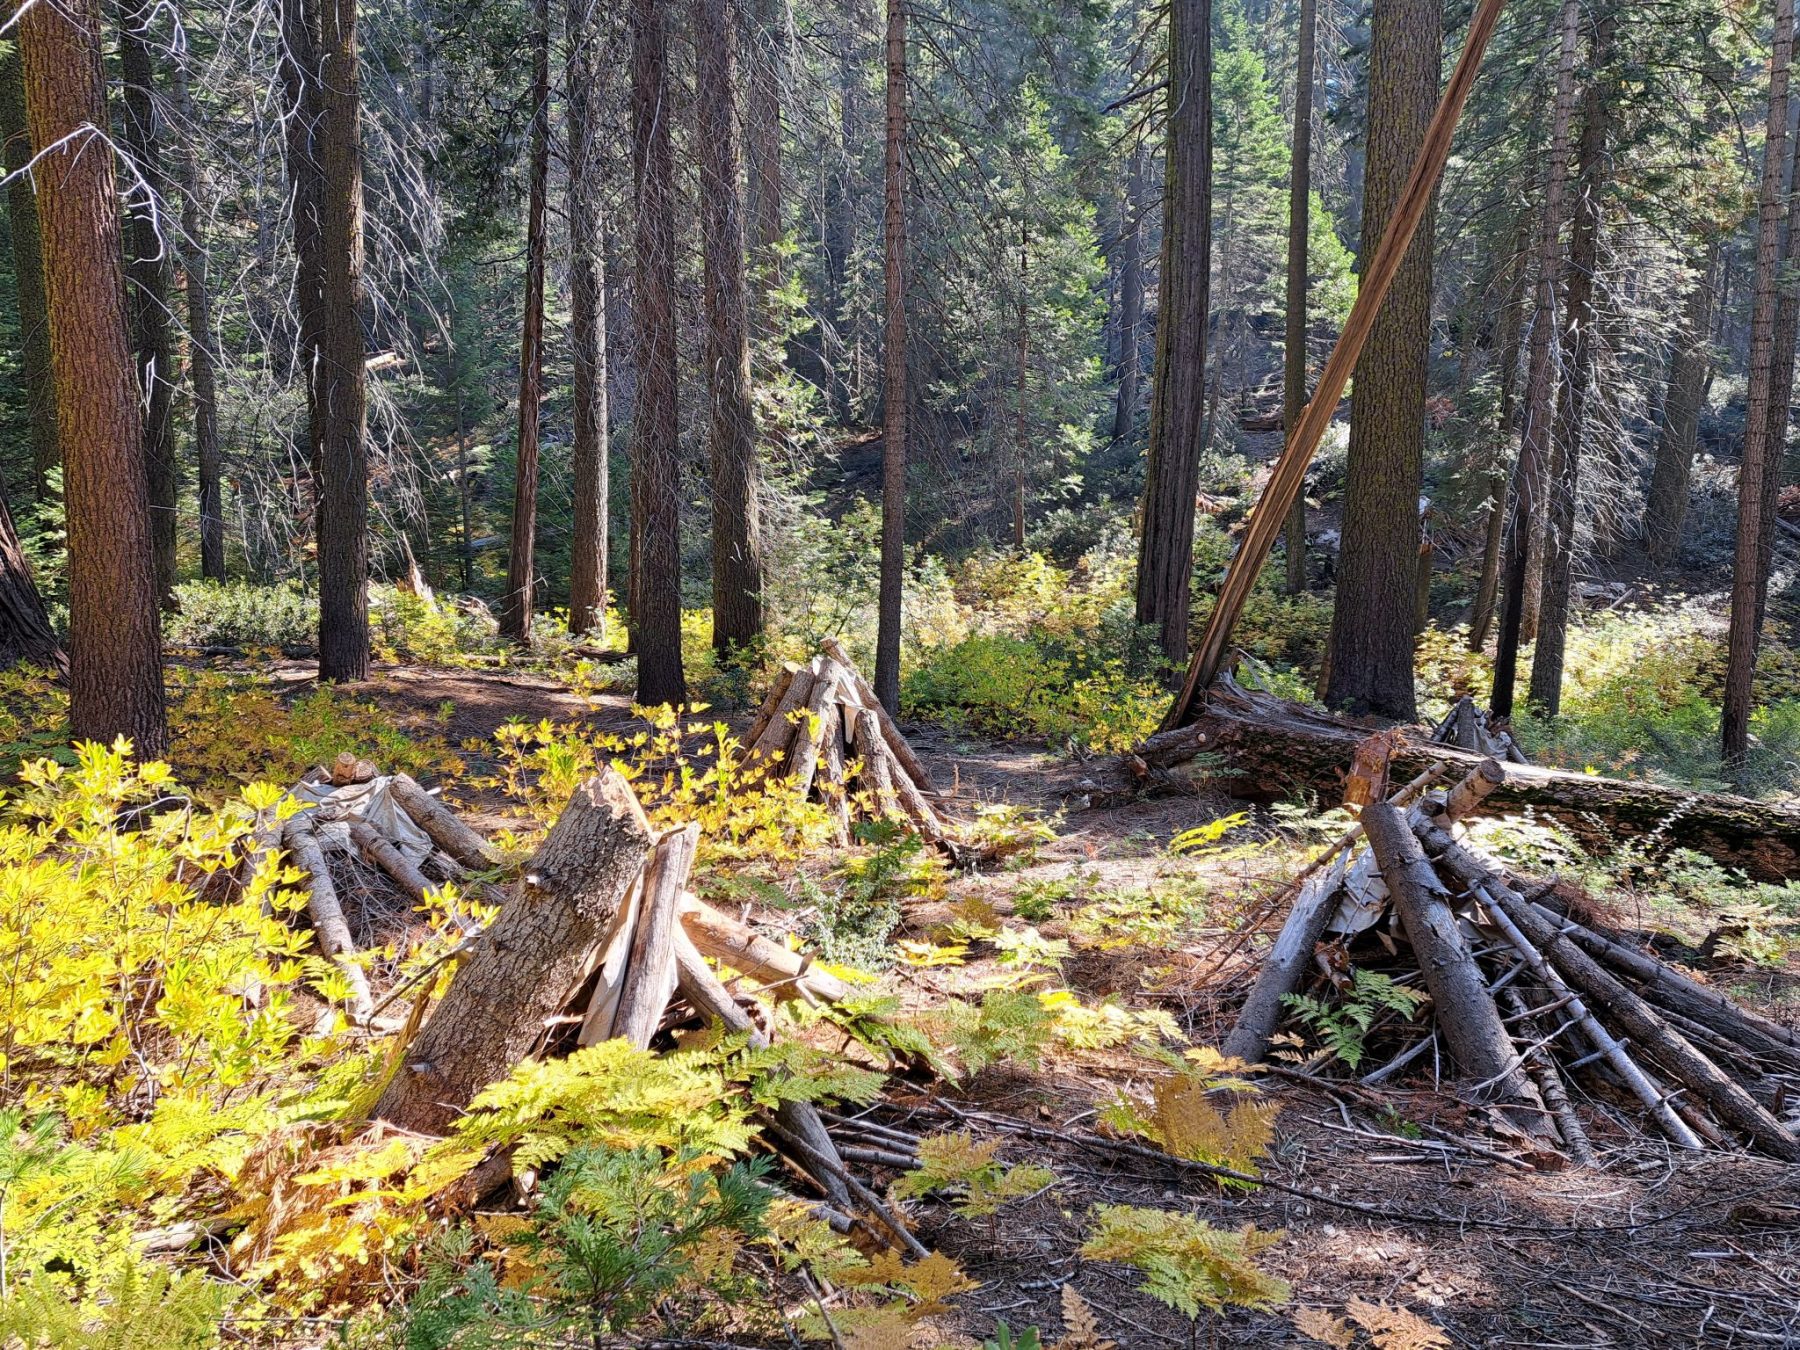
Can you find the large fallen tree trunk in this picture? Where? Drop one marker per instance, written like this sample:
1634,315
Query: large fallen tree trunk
525,968
1275,748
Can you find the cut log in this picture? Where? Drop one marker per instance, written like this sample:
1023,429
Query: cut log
1468,870
771,701
876,774
1280,748
809,736
329,926
1649,1032
832,789
1466,1015
526,966
890,730
379,851
778,731
650,977
751,954
446,828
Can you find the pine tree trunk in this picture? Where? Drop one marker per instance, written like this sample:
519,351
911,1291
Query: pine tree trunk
737,544
1581,337
1759,474
25,632
770,75
655,446
521,579
115,683
1178,378
201,374
28,275
1131,297
1372,628
1511,334
1526,509
149,253
1671,475
1021,392
894,393
591,448
1781,367
1293,389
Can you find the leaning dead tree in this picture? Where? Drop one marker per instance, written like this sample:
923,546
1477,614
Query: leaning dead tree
1528,1003
822,731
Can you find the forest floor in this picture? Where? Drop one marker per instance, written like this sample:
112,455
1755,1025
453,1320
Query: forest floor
1395,1196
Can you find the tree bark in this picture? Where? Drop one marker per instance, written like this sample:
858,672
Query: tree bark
655,432
1372,630
1178,377
25,632
202,376
894,391
28,274
528,963
1672,473
115,682
1526,508
770,76
737,542
521,578
1293,388
1580,340
150,251
1760,471
591,447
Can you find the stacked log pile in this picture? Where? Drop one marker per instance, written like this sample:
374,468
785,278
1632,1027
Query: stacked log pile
822,731
1535,1009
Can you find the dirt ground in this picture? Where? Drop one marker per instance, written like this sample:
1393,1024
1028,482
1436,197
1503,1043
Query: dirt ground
1401,1196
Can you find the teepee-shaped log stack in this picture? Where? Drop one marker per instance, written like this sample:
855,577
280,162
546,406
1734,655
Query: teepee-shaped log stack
822,730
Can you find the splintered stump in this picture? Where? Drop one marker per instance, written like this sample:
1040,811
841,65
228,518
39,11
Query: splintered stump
522,971
821,730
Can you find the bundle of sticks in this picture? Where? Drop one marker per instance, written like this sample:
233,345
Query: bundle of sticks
1530,1002
1468,727
822,730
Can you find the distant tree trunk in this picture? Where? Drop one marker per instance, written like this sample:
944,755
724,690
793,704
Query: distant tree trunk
655,432
894,395
1131,296
1293,389
1178,379
25,632
1372,626
1671,475
201,374
1021,408
1511,333
770,72
1781,361
591,447
737,543
1581,337
324,146
151,250
1525,511
1760,472
115,678
840,338
28,274
521,579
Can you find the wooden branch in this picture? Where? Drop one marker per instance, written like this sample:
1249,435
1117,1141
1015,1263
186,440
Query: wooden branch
446,829
1290,469
1542,1066
650,975
1468,869
330,929
380,851
529,962
1466,1015
890,730
748,952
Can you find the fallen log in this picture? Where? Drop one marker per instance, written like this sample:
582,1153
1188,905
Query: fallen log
446,828
1278,748
380,852
329,925
527,965
1466,1014
751,954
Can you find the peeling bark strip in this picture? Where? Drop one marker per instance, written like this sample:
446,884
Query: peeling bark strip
526,967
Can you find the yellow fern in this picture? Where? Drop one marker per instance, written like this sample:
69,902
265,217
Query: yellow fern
1080,1331
1391,1327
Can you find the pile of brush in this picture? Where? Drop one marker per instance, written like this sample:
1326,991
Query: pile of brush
1528,1001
